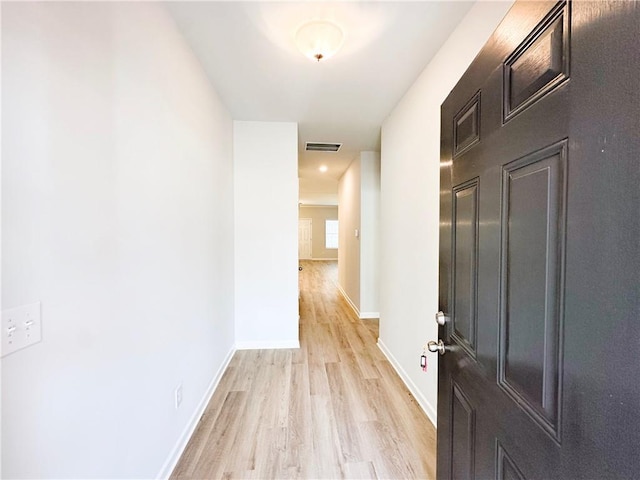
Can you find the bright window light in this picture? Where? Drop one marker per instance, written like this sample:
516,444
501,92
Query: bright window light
331,234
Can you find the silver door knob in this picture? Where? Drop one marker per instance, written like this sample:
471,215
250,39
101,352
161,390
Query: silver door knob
437,347
441,318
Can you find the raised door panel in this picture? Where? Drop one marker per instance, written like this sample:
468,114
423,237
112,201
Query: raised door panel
465,261
539,64
466,128
506,468
462,436
533,216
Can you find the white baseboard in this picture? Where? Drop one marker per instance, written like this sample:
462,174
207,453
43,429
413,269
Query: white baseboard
349,301
359,314
428,409
317,259
176,453
267,345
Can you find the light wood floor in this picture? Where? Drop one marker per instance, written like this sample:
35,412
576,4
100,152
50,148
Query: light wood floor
335,408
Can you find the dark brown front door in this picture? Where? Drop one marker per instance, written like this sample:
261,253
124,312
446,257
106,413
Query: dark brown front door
540,249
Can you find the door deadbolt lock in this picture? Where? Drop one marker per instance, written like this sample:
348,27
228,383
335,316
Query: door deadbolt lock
441,318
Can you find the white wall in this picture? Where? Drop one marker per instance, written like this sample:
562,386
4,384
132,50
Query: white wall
1,197
369,234
348,245
266,234
117,215
359,200
409,204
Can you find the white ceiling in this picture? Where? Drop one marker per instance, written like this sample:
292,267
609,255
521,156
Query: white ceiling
248,51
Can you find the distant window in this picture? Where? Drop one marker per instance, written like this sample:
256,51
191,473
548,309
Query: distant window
331,234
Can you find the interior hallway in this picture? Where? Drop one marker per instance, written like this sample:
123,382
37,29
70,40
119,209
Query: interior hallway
335,408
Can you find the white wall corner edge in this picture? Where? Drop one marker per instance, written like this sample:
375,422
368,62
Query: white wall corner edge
181,444
267,344
369,315
427,408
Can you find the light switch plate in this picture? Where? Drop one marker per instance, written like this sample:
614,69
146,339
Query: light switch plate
21,327
177,396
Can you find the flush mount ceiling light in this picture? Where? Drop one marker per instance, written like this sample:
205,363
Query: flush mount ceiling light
323,168
319,39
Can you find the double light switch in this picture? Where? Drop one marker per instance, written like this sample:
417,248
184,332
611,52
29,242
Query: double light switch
21,327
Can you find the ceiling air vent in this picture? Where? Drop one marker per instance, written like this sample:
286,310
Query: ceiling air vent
322,147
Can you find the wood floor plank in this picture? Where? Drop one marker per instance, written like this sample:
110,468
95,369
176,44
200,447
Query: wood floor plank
360,470
299,423
270,445
326,446
394,462
335,408
324,337
344,414
222,437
